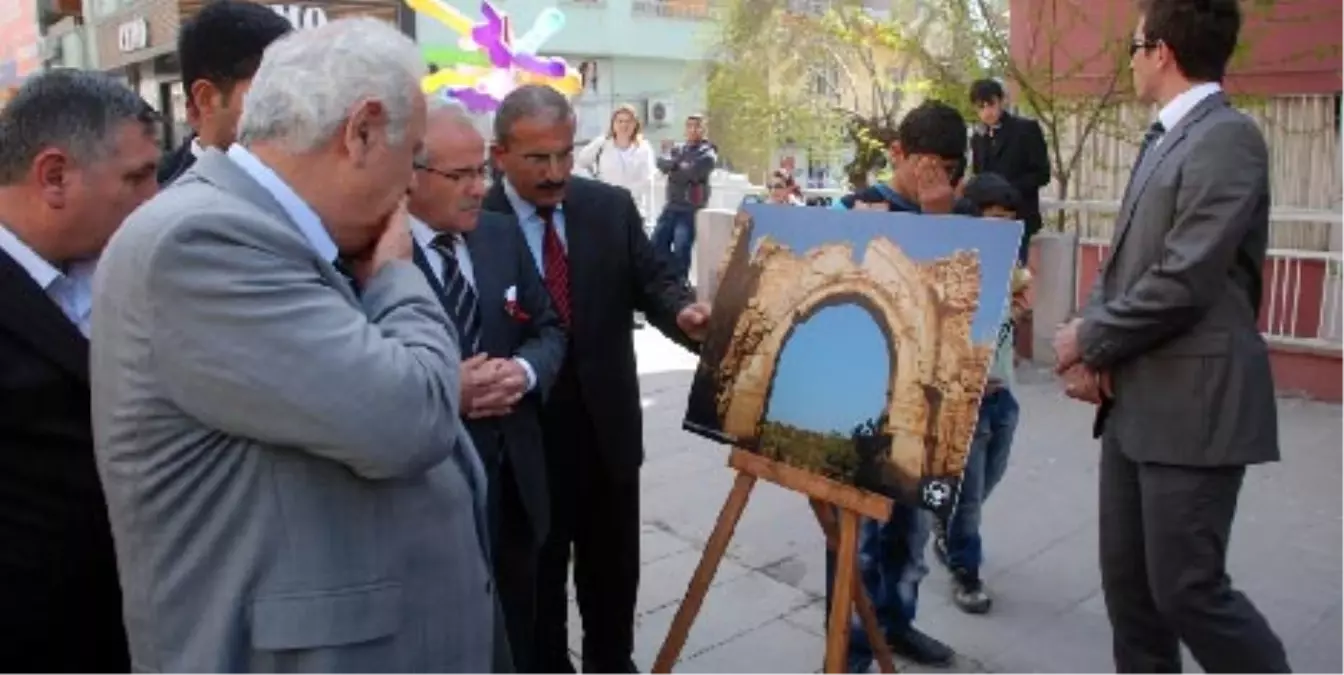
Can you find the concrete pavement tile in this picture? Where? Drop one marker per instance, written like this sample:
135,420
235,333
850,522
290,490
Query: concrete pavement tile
810,617
674,469
776,647
1070,642
1317,650
729,610
664,581
656,543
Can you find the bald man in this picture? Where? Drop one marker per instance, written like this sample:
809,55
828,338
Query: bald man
512,348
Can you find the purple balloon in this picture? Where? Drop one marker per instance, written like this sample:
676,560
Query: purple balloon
541,65
475,101
489,36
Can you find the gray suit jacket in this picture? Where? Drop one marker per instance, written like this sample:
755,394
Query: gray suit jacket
287,480
1173,313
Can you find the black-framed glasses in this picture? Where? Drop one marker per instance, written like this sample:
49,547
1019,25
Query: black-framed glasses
455,175
1136,45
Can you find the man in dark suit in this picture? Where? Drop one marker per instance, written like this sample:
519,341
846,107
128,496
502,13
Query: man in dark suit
512,347
1168,346
588,241
1014,148
77,155
219,49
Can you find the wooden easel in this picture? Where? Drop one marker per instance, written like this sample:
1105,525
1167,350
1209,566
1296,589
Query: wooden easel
826,497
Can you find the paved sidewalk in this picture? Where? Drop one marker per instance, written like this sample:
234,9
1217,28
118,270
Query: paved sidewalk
765,613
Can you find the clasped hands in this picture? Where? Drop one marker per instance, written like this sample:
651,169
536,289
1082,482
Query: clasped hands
1080,382
491,386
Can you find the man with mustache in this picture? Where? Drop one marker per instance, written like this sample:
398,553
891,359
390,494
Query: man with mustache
512,346
588,242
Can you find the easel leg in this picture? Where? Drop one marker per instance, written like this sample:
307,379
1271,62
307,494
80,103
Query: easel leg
842,596
876,638
704,573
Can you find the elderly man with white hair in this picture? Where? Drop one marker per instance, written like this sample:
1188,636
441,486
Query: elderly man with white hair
276,392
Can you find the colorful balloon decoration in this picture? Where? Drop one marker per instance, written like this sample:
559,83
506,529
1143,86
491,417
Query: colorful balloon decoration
511,62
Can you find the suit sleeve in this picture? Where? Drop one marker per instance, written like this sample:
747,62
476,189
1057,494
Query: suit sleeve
1035,172
543,348
658,291
1224,176
261,345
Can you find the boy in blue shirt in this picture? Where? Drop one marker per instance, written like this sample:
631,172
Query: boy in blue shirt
957,541
926,154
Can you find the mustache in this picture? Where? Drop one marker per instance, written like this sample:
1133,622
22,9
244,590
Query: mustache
551,185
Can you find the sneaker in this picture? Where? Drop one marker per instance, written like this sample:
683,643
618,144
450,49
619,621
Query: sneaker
969,593
913,645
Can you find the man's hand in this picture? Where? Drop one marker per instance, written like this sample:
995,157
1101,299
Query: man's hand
1066,346
933,187
1083,384
476,380
694,321
507,384
394,244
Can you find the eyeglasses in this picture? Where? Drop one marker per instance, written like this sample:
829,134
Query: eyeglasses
1136,45
454,174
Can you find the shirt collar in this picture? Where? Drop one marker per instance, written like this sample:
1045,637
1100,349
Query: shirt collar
196,148
1177,108
425,235
43,272
307,220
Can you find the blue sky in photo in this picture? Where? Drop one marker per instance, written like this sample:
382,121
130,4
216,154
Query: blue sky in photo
832,373
920,237
834,369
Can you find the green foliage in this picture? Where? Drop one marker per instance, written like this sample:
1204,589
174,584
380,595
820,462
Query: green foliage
835,455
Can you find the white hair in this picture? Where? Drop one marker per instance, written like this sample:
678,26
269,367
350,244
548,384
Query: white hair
454,110
310,80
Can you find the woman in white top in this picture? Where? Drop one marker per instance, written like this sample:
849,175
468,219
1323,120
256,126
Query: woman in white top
623,158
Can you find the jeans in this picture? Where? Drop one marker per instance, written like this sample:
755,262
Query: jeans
674,235
891,562
985,464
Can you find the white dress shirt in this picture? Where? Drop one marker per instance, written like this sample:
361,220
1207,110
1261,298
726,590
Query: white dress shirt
424,237
71,290
534,228
303,215
1177,108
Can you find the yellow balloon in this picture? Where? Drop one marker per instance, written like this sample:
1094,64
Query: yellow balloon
569,85
448,78
444,13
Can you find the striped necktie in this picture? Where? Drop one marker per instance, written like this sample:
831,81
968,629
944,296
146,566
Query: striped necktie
555,265
458,295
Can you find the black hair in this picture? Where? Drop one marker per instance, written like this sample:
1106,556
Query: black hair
224,42
933,128
78,111
1201,34
987,190
986,91
527,101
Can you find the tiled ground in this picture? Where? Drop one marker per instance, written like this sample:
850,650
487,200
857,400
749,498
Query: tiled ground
765,614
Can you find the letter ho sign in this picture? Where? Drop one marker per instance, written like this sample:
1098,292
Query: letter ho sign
301,16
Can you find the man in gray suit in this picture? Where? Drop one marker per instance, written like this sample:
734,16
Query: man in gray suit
289,485
1169,348
512,345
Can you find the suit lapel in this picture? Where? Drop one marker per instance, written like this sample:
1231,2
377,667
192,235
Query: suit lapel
1152,160
1003,135
27,312
490,272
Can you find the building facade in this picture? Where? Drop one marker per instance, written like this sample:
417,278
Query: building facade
137,40
649,54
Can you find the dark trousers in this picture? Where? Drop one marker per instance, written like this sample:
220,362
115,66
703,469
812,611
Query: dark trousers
674,236
594,514
1164,535
514,552
985,465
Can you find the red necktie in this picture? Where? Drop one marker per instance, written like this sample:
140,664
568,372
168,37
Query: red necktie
555,265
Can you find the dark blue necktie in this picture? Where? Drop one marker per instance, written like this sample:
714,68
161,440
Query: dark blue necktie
459,297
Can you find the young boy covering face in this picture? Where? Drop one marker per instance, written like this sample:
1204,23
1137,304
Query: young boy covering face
957,541
928,152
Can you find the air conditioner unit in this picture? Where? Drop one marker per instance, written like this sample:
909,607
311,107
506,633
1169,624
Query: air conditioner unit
660,112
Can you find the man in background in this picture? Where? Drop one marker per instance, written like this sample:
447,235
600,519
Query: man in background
219,49
687,167
77,154
1014,148
276,392
588,243
512,348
